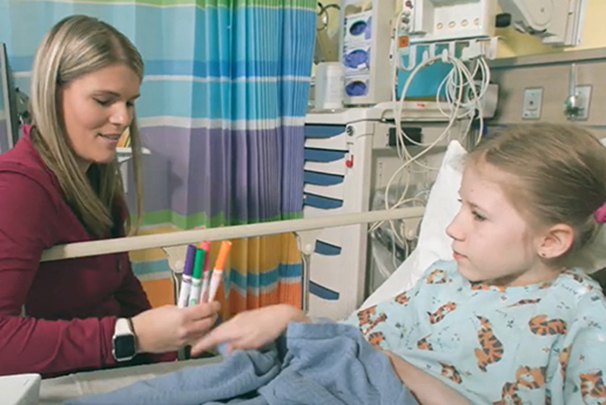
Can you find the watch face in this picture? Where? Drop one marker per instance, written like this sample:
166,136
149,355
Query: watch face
124,346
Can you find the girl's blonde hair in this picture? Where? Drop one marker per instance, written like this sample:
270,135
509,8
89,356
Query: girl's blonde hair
558,174
74,47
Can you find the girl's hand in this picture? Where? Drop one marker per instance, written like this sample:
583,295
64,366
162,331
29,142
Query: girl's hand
169,328
251,329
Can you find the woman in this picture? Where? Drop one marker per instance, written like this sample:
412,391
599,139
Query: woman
61,184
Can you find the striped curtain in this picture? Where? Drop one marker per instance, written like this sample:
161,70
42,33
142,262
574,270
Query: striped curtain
222,110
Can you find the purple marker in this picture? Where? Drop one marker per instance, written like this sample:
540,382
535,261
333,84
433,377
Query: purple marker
186,276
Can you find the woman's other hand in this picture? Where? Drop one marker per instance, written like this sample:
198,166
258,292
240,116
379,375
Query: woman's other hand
251,329
169,328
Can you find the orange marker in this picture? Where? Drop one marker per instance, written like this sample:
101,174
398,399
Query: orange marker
218,270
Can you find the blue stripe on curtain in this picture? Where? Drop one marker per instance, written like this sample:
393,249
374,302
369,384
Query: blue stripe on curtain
167,47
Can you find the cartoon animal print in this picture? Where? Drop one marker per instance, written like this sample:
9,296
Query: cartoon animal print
530,377
364,316
484,287
563,357
593,390
526,377
437,277
424,344
441,312
576,277
539,325
402,298
451,373
525,302
509,395
491,348
378,320
545,285
376,338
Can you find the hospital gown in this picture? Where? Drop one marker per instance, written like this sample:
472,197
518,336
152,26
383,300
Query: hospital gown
543,343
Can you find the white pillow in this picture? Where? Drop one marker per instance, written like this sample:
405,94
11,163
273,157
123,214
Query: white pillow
434,244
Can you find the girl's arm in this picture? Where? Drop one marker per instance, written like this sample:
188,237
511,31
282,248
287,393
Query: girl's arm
426,388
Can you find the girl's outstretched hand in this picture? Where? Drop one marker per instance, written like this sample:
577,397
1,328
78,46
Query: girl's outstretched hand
250,329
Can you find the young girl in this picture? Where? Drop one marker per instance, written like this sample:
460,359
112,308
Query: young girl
509,321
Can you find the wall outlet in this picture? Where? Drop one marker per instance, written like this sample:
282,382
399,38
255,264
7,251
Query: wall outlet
533,101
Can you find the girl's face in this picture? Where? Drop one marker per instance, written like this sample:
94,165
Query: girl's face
95,109
492,243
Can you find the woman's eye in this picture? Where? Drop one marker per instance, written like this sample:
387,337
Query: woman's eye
103,103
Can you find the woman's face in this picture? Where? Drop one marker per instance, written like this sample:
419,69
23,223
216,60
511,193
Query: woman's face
95,109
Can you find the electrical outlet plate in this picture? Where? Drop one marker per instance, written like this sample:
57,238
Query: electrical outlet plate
533,101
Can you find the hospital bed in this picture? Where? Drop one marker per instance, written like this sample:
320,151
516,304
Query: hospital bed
57,390
433,244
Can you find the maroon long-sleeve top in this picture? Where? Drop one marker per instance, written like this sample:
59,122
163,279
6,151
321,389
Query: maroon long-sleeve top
55,317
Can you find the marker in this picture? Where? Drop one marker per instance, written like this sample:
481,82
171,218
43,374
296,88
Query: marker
196,281
218,270
186,277
206,272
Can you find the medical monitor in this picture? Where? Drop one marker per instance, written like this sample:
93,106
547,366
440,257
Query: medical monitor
9,116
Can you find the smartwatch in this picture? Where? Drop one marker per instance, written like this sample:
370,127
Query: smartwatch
124,341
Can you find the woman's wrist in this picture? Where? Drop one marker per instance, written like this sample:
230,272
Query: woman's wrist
139,331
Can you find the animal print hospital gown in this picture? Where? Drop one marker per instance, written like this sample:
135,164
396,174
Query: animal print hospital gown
543,343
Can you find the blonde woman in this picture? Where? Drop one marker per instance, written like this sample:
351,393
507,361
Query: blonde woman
61,184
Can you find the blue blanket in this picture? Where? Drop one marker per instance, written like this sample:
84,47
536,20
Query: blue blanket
322,364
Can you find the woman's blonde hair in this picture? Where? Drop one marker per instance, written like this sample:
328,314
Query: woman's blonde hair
558,174
74,47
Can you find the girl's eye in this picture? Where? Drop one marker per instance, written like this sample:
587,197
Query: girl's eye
477,216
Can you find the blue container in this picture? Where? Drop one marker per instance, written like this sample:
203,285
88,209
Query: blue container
427,80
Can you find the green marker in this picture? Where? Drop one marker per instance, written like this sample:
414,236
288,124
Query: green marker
196,278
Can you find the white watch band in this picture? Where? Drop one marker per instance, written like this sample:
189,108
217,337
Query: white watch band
122,327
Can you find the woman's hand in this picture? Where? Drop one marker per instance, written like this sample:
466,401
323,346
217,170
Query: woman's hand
169,328
426,388
251,329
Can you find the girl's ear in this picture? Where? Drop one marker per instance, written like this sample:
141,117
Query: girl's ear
555,241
